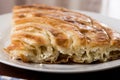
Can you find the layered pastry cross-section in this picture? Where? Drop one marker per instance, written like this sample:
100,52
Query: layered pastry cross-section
47,34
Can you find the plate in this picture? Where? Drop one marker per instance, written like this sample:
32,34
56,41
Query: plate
5,21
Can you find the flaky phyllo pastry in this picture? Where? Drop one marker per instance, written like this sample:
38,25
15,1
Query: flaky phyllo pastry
45,34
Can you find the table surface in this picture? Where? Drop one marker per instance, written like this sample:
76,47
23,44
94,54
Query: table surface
33,75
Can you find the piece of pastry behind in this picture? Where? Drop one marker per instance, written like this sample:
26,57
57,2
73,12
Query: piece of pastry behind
46,34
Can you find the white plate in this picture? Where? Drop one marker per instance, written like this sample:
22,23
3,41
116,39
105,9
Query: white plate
5,25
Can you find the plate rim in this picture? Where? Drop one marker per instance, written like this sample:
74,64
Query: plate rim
70,71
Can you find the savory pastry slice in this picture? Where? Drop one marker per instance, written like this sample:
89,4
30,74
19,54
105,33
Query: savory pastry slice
46,34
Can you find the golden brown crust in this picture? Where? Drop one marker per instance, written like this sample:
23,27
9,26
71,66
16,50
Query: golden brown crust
46,34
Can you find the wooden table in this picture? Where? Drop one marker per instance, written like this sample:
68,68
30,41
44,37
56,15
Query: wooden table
32,75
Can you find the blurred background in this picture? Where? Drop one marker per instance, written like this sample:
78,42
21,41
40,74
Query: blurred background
109,8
